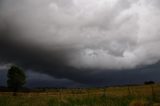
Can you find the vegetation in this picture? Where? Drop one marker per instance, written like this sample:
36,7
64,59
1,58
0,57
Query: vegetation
16,78
144,95
149,82
138,95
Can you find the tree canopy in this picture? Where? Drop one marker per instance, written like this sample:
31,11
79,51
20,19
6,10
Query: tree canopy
16,77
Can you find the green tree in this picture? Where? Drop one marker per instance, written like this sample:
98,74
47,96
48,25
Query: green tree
16,78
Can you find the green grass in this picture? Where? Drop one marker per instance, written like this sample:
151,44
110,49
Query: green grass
68,101
113,96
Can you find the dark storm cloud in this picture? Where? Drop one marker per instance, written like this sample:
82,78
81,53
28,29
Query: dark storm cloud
79,39
38,58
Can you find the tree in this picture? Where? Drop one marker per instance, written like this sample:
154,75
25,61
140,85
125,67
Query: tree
16,78
149,82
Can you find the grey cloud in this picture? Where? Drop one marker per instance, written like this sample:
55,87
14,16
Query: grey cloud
76,38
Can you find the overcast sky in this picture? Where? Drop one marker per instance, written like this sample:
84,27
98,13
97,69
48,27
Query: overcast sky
81,42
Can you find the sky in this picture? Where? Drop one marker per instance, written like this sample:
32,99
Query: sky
81,42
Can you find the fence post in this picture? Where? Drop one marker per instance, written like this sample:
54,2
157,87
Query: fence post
104,91
60,95
129,91
88,93
153,93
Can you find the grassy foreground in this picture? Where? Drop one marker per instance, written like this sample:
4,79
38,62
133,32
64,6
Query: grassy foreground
146,95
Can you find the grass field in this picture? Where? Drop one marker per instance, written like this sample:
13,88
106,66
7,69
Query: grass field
144,95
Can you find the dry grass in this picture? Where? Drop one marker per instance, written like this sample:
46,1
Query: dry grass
145,95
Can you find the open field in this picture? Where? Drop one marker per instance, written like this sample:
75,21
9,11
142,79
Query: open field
144,95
